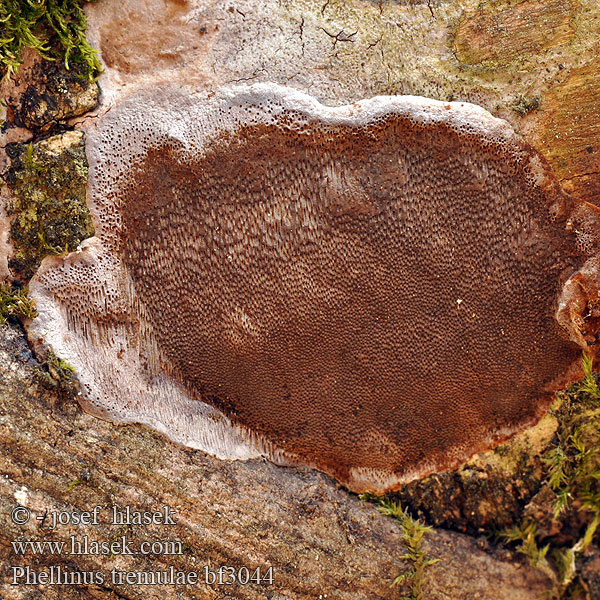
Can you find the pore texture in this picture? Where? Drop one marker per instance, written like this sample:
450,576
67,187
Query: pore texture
368,289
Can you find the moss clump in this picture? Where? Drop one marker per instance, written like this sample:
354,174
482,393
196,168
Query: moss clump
556,535
55,28
50,215
56,374
541,489
15,303
574,459
413,532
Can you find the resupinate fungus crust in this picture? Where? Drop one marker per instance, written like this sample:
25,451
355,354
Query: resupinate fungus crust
378,290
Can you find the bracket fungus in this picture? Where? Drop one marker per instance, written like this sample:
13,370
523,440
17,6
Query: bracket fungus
378,290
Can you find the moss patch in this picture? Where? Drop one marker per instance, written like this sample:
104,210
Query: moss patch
15,303
539,492
413,532
574,459
49,212
56,374
558,529
54,28
523,105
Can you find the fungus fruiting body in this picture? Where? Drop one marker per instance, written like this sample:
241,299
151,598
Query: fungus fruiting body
369,289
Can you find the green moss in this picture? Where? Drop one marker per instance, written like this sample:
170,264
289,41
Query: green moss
413,532
559,563
15,303
574,459
50,215
74,484
572,473
54,28
542,489
526,536
56,374
57,367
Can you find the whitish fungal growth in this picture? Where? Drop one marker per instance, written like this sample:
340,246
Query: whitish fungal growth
369,289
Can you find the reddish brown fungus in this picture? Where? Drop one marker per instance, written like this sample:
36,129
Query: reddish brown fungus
370,290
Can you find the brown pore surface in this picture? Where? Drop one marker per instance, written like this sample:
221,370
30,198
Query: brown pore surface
379,298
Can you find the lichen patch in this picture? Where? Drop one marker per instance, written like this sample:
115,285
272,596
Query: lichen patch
48,211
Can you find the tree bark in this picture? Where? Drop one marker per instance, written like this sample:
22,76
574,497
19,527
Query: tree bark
534,63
